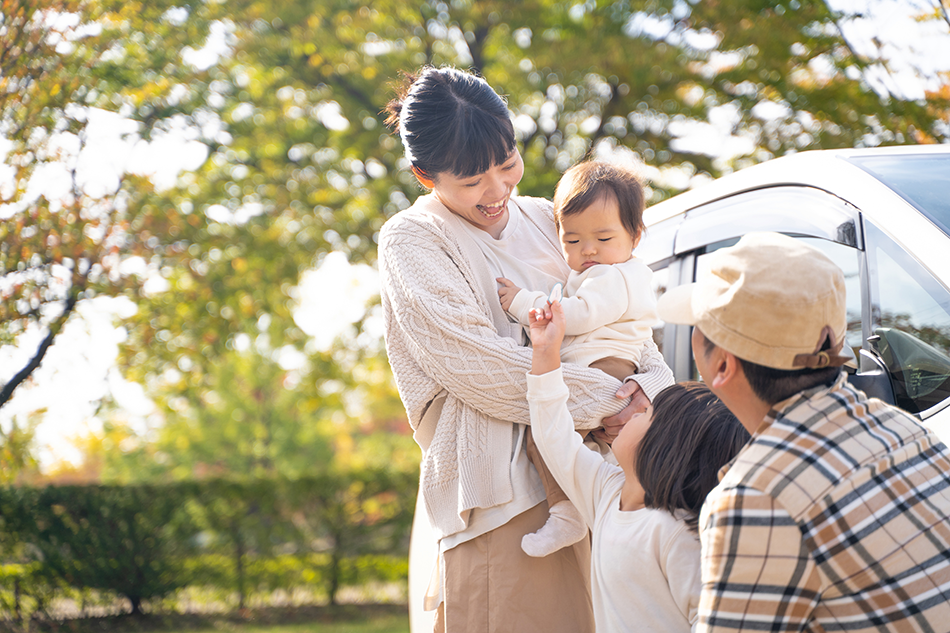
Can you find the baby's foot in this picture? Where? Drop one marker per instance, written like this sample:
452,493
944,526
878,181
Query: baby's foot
564,527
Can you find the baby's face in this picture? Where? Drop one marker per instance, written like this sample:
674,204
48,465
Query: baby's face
596,236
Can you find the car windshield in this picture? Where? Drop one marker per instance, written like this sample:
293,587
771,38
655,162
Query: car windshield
923,180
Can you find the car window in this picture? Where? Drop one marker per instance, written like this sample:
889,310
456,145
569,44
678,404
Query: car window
910,324
846,257
921,180
788,209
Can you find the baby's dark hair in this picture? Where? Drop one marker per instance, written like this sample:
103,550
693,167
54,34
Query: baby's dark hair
451,121
588,182
691,437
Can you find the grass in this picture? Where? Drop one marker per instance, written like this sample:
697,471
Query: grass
385,623
366,618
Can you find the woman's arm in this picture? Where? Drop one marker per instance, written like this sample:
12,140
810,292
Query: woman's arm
450,336
655,376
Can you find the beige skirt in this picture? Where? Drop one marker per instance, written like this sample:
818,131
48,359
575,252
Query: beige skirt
492,586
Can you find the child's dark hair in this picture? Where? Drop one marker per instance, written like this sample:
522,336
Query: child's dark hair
588,182
691,437
452,121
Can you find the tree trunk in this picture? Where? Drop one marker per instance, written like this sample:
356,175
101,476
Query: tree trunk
239,554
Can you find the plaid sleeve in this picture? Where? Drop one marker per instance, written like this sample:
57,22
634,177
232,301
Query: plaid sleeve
756,572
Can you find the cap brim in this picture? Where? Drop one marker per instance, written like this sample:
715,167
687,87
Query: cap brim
676,305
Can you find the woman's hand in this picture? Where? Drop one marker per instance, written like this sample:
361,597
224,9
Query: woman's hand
638,404
507,292
547,334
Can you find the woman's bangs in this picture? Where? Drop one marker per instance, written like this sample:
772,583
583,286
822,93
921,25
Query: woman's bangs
481,142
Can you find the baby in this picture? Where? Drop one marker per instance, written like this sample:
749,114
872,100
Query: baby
608,301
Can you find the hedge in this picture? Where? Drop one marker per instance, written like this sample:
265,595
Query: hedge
144,542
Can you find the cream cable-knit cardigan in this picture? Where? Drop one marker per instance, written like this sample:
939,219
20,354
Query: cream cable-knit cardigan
458,362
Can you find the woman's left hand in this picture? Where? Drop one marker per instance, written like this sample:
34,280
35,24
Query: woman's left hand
614,423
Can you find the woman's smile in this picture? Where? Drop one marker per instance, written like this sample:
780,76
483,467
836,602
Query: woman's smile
494,210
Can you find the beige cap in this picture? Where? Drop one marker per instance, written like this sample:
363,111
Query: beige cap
769,299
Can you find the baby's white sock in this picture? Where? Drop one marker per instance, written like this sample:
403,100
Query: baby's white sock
564,527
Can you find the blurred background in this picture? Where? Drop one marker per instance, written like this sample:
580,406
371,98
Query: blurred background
190,196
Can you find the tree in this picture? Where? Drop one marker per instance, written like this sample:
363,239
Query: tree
300,165
72,72
310,167
17,460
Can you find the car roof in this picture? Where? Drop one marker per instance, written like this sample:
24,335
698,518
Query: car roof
830,170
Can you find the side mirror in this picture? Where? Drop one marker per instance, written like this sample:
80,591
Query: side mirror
919,372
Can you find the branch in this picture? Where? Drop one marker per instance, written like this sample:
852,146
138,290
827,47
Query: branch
54,329
943,11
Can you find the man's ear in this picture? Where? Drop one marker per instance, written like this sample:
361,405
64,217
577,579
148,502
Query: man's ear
726,369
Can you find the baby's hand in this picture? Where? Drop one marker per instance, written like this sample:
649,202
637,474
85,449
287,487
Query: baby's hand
507,292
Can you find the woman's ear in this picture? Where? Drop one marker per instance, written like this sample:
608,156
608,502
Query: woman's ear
423,178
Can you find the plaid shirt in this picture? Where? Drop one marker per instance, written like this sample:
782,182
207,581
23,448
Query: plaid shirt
835,517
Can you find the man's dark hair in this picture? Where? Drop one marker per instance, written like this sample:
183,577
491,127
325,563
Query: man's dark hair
774,385
452,121
691,437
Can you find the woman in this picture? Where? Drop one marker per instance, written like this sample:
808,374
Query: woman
460,363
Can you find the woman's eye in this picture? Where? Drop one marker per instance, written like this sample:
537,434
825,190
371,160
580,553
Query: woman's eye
573,241
605,239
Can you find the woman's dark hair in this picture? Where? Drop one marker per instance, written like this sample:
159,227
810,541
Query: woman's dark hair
451,121
585,183
691,437
772,385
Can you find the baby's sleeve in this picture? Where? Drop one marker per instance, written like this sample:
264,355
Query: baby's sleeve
600,299
524,301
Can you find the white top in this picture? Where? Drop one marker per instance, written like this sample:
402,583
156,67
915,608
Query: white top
609,309
645,564
524,255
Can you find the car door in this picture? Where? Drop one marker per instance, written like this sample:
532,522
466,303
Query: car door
898,315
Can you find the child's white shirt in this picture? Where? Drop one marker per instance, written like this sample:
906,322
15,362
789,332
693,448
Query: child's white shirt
609,310
645,564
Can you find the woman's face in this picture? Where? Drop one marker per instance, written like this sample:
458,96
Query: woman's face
482,199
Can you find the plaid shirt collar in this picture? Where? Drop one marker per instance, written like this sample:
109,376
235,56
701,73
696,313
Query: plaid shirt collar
785,407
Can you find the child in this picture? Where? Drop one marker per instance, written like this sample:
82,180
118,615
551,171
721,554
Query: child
645,558
609,303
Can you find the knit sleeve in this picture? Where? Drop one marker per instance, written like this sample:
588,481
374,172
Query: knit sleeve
655,375
448,332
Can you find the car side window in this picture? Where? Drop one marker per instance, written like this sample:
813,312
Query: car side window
846,257
910,324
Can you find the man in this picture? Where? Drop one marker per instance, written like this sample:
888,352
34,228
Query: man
836,515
